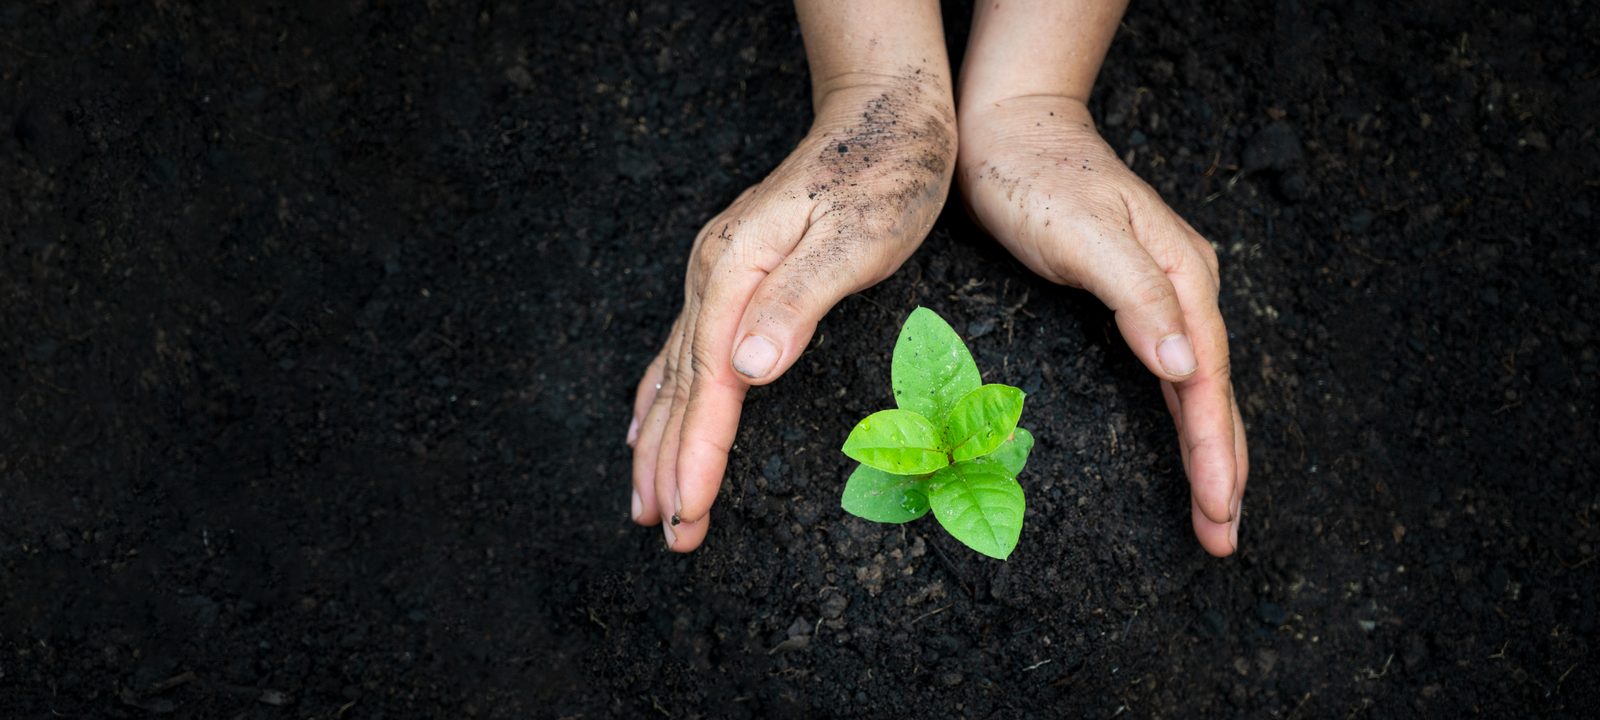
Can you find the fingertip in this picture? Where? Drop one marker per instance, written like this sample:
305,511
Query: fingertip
644,513
1161,343
666,502
644,487
770,342
1211,483
666,468
686,536
702,464
687,515
1217,510
756,357
784,310
1238,520
710,425
1213,476
1218,539
1176,355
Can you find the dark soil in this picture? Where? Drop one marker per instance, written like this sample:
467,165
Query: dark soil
319,326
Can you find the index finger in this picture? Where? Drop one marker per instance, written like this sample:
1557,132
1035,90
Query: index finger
1205,401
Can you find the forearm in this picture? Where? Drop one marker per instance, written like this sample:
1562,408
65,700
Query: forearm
853,44
1036,47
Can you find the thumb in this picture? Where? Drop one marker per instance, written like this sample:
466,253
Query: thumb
776,327
1134,286
784,312
1151,320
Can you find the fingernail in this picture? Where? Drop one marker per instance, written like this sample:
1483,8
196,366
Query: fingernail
633,433
1176,355
1238,517
666,529
638,506
755,357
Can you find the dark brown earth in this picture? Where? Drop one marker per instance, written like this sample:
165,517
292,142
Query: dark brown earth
319,325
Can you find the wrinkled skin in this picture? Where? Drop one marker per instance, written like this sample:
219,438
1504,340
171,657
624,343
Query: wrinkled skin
1036,174
840,214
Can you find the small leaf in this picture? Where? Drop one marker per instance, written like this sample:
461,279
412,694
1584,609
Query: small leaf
875,495
932,368
982,420
899,442
979,504
1012,454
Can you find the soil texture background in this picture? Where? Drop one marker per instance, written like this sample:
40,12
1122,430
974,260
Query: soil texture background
319,326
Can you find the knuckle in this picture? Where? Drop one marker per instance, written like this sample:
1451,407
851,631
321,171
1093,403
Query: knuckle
1170,257
1105,202
671,370
782,302
668,370
668,391
672,382
762,252
703,263
681,384
1208,254
712,245
1224,368
700,362
1154,291
701,354
875,228
1206,443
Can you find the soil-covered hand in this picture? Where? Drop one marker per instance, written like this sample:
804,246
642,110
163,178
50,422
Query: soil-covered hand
840,214
1036,174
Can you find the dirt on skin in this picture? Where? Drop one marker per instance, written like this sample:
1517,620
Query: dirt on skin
319,326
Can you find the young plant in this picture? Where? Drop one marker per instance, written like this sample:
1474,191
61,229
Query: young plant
952,445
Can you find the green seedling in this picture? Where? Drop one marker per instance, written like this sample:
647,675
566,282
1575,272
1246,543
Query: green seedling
952,445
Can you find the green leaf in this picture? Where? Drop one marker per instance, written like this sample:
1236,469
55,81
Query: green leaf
1012,454
979,504
932,368
982,420
875,495
899,442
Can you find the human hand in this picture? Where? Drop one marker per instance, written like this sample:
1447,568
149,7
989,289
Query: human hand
1036,174
840,214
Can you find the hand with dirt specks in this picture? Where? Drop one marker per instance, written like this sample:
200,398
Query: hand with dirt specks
840,214
1036,174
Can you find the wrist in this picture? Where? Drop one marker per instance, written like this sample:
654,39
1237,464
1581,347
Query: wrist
1037,47
1022,118
910,99
1011,103
986,99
